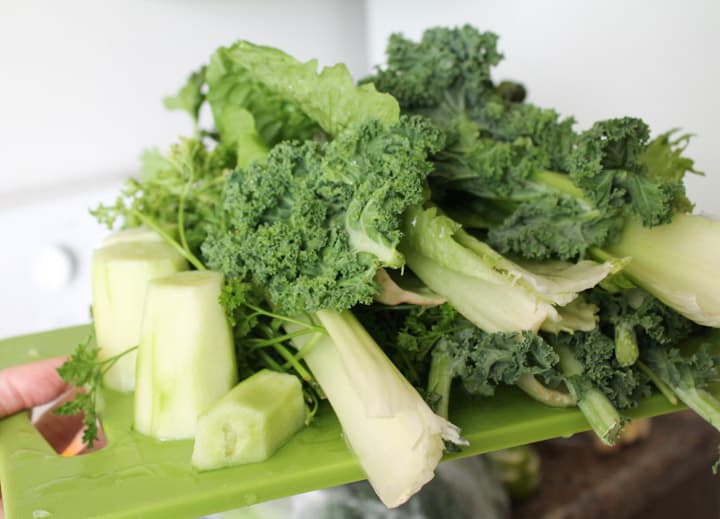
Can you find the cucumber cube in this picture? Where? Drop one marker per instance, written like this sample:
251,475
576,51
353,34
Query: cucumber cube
251,422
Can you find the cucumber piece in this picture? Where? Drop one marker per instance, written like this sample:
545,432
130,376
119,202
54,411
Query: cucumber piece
120,274
132,235
186,357
251,422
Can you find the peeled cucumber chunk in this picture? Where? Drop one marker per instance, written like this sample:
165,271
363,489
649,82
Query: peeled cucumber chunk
251,422
121,271
186,357
132,235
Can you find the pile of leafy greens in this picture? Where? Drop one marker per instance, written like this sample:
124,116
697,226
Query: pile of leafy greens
428,229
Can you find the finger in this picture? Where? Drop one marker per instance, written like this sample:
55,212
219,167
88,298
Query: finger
59,430
28,385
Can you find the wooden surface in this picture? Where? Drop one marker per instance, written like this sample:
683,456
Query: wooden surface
668,475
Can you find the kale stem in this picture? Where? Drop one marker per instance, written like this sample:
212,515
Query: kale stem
550,397
560,182
305,350
271,363
598,410
262,343
601,415
440,380
662,386
192,259
260,311
299,368
311,409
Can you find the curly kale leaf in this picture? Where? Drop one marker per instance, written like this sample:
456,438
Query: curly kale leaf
688,371
552,136
482,361
487,168
314,223
277,230
664,157
446,62
553,226
612,164
414,337
654,323
386,170
623,386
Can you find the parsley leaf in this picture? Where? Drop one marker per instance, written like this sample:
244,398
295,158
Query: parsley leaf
85,370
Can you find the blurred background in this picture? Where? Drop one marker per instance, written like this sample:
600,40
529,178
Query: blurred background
83,82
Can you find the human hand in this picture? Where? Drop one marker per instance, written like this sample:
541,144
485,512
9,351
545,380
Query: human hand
30,385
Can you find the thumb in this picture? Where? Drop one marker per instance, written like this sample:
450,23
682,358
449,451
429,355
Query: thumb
29,385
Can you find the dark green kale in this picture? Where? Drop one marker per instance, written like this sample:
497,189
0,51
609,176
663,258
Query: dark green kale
314,223
610,164
687,374
483,361
655,324
562,194
447,65
553,226
595,351
436,346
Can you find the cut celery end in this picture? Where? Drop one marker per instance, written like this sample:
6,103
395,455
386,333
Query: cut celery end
121,271
251,422
186,358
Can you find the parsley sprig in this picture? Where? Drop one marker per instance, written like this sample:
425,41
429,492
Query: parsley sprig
85,370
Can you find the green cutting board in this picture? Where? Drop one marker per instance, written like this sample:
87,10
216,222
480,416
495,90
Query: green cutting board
135,476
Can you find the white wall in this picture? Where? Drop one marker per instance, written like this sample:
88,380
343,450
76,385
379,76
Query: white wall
596,59
83,80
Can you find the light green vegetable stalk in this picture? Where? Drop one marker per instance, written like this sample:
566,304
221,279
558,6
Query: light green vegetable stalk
488,289
678,263
376,406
